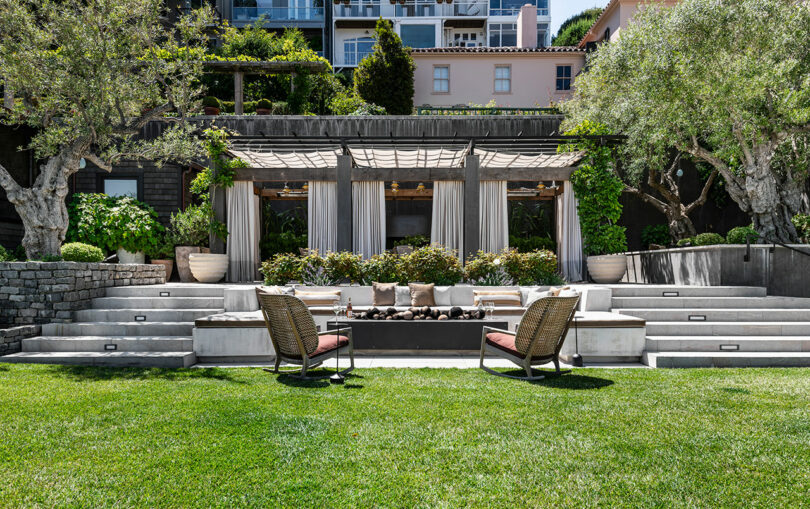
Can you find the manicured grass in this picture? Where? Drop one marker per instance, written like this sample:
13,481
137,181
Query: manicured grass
92,437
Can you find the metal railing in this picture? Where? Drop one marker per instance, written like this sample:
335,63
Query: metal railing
483,110
417,8
304,13
358,9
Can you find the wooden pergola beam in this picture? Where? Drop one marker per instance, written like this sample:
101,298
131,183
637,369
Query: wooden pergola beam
403,174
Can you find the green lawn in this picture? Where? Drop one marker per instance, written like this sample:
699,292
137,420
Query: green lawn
241,437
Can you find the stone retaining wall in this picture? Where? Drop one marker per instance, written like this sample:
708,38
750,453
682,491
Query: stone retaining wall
10,339
44,292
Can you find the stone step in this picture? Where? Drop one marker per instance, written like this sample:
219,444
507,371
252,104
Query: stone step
118,329
630,290
159,303
143,315
717,315
711,302
102,344
726,328
107,359
726,359
168,290
727,344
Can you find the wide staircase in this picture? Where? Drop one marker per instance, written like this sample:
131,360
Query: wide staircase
134,326
718,326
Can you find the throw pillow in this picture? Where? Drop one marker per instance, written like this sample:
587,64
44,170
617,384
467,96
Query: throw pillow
497,297
322,298
383,294
421,295
276,290
403,297
535,295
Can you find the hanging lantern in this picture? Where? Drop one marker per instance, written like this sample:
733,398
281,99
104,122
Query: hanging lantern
540,186
286,189
305,187
421,187
394,187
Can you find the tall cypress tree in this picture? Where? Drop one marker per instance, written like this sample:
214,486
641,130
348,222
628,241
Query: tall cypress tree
385,77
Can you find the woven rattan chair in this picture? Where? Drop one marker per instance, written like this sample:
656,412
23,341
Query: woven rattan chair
538,338
295,337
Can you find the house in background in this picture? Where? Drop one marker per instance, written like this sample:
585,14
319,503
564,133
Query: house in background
617,14
526,74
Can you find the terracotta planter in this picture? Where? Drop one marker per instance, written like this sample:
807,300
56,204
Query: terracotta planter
125,256
168,265
607,269
262,111
181,257
207,267
210,110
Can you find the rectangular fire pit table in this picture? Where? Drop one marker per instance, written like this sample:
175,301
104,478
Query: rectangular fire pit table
417,334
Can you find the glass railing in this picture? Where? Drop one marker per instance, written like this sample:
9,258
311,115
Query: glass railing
278,13
513,11
467,8
418,8
357,9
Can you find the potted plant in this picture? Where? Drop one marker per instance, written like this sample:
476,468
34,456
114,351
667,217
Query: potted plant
163,254
190,230
211,105
264,107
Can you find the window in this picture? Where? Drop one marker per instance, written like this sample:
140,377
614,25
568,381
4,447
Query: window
355,50
503,79
502,34
542,35
118,185
418,36
466,39
512,7
441,79
563,77
607,34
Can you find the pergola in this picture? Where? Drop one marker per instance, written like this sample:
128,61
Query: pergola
471,160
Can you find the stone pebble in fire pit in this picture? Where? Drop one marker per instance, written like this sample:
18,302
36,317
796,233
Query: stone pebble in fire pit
420,313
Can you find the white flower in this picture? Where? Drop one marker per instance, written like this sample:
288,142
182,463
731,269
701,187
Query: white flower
496,261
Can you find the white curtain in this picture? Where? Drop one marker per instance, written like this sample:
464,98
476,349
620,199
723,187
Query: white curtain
447,222
368,218
322,216
569,235
243,232
493,214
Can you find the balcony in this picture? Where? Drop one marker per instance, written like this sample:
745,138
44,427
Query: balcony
418,8
304,10
358,9
466,8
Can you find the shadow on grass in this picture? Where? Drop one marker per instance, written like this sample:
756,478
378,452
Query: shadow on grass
571,381
292,381
93,374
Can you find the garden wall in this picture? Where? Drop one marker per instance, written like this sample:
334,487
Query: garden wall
44,292
11,339
783,271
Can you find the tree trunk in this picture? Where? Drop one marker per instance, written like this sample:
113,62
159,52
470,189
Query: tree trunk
680,224
772,199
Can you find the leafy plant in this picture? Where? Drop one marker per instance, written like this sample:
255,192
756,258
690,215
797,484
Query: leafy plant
113,222
598,191
741,235
686,242
533,268
164,250
533,243
432,264
574,28
343,265
287,242
413,240
264,104
313,271
281,269
655,234
79,252
708,239
211,102
192,227
5,255
383,268
531,219
385,77
802,224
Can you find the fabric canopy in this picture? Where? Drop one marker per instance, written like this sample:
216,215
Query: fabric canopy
322,216
569,235
447,222
493,212
243,232
368,218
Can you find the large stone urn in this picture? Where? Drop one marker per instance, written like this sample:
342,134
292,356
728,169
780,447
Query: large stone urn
607,269
208,267
125,256
181,254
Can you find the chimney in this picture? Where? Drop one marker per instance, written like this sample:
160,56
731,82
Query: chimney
527,27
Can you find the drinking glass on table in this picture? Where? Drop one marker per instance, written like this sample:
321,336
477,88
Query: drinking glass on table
490,309
336,309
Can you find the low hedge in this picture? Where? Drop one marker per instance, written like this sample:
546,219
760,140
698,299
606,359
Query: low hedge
80,252
741,235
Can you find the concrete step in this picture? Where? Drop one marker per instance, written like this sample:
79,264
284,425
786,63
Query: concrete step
727,344
143,315
118,329
631,290
725,359
158,302
710,302
727,328
107,359
102,344
167,290
717,315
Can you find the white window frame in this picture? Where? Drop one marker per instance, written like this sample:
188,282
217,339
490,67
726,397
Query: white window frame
503,80
440,79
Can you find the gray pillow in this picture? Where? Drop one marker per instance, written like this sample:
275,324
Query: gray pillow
403,297
383,294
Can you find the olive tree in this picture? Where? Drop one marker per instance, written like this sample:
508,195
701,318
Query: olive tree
725,82
88,76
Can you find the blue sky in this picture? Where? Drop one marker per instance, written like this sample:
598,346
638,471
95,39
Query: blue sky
561,10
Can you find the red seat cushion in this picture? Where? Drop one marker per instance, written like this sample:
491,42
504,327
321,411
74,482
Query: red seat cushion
506,342
329,342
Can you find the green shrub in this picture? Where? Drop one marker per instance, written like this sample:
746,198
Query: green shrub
802,224
281,108
539,268
383,268
264,104
281,269
5,256
655,234
432,264
164,250
113,222
191,227
79,252
413,240
286,242
313,271
533,268
385,77
708,239
211,102
342,266
741,235
533,243
686,242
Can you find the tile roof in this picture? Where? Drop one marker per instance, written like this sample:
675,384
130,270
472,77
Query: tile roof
500,49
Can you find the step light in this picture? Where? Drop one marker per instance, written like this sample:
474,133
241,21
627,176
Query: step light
732,348
165,294
140,318
697,318
110,346
670,294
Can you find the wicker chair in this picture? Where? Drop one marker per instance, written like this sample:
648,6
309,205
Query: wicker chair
538,339
295,337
